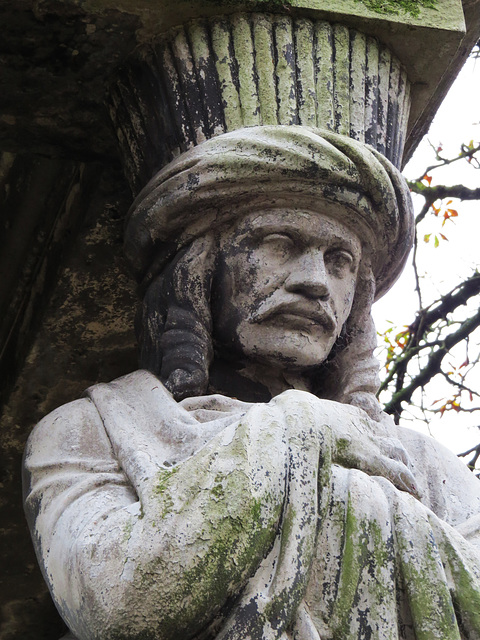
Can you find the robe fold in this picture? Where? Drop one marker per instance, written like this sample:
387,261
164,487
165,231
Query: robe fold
215,518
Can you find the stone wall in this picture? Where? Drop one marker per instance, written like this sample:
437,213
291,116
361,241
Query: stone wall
78,304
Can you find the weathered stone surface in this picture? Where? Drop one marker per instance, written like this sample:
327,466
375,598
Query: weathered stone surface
54,60
157,541
58,58
43,201
215,184
231,515
245,70
83,334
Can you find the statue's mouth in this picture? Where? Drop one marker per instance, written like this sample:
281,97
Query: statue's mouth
298,315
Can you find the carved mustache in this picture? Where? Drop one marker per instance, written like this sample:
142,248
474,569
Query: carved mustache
314,311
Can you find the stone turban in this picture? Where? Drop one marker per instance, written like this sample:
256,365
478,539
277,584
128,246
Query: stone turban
295,167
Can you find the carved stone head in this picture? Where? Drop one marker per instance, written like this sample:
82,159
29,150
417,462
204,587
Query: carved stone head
284,285
260,253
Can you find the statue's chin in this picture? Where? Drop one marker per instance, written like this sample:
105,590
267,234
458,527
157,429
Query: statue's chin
287,348
289,361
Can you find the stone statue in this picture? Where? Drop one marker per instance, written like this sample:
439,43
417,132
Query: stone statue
245,483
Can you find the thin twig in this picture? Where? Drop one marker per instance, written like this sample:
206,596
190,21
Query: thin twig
415,270
459,384
444,162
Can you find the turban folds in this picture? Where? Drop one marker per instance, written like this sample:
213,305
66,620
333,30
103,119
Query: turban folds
291,167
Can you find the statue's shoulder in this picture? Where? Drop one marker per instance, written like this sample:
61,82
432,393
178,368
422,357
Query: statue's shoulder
135,388
422,448
78,426
65,424
71,434
451,490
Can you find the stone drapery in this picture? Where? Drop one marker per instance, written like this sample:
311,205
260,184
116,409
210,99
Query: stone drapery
218,518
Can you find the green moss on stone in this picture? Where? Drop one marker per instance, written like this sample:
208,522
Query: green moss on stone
466,594
343,445
217,490
127,530
163,478
202,589
255,5
351,570
394,7
429,598
160,490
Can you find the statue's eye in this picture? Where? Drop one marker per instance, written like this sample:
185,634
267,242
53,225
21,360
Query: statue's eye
339,261
280,242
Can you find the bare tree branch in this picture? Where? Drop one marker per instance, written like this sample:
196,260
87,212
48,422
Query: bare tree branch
463,410
469,451
439,309
415,269
432,367
440,192
423,323
418,354
476,455
467,152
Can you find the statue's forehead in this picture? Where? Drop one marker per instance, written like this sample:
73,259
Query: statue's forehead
312,223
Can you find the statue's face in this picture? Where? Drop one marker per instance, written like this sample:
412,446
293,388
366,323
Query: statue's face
284,287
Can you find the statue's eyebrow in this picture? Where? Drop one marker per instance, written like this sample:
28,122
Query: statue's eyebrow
304,235
265,224
260,226
340,242
256,232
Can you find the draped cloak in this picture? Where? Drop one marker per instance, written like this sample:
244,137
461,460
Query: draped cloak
215,518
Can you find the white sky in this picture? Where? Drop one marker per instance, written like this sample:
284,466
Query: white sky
457,121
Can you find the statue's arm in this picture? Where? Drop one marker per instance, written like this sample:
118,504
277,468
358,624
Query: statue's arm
127,545
164,561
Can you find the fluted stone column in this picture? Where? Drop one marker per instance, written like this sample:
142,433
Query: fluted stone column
209,77
351,67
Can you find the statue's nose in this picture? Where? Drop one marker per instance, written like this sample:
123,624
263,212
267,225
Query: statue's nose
309,276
